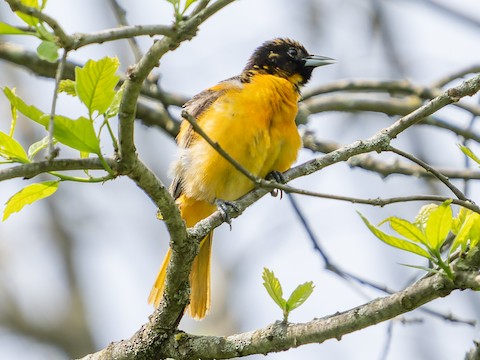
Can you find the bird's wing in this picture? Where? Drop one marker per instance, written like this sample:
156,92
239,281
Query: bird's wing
196,106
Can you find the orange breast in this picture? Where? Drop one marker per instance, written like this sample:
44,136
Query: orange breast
255,124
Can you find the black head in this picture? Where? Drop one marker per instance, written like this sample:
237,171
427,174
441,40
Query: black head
285,58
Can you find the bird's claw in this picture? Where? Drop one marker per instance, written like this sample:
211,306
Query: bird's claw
223,206
278,177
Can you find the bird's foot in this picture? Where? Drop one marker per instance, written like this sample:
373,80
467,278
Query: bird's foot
224,206
278,177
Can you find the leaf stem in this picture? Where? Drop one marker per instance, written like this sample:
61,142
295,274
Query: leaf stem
92,180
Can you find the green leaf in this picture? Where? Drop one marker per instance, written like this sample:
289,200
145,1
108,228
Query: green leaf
6,29
48,50
187,5
300,295
13,123
44,34
95,84
407,229
475,231
28,19
37,146
115,105
469,153
11,149
274,288
79,134
29,111
29,195
460,219
464,233
67,86
394,241
424,268
438,225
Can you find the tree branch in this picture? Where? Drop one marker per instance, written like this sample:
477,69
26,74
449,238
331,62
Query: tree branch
36,168
384,168
65,40
281,336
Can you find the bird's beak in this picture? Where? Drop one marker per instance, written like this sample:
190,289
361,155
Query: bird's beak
316,60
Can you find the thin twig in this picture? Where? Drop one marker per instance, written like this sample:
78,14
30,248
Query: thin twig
431,170
52,152
33,169
459,74
381,202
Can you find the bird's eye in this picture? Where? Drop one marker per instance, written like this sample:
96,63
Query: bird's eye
292,52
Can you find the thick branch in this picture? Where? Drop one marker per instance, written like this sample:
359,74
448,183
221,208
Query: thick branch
281,336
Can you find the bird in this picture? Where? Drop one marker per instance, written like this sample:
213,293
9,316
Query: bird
251,116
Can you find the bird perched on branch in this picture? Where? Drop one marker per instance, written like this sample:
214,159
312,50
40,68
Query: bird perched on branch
252,117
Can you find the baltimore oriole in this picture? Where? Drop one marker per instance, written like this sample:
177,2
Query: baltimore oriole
252,117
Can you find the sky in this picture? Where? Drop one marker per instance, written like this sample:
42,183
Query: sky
118,244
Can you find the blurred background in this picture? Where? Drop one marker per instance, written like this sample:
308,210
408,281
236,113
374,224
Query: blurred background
76,269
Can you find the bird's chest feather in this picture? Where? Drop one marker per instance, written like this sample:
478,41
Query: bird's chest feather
255,124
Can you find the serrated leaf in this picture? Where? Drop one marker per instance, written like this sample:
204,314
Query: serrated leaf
48,50
460,219
78,134
29,195
300,295
464,233
394,241
467,151
67,86
28,19
407,230
6,29
36,147
274,288
438,225
29,111
11,149
95,84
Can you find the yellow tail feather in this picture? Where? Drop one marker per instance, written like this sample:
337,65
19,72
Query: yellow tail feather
157,289
200,280
192,211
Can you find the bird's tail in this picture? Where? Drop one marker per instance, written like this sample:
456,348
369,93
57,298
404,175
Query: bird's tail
192,211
